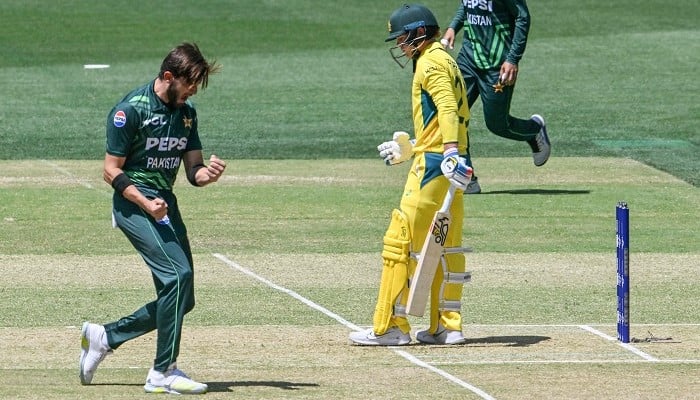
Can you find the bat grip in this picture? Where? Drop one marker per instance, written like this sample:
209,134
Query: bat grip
448,199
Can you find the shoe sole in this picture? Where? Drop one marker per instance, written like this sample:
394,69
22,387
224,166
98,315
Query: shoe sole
160,389
538,118
367,338
373,342
472,190
460,341
430,339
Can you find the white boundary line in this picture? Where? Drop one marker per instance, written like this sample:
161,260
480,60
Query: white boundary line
626,346
352,326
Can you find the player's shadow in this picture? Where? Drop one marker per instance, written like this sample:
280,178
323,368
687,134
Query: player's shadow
283,385
508,341
227,386
538,191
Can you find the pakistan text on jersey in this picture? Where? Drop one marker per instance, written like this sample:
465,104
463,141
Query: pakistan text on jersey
480,20
163,163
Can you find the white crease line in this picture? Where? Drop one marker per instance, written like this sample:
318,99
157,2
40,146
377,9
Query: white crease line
292,293
635,324
68,174
626,346
444,374
545,362
569,325
352,326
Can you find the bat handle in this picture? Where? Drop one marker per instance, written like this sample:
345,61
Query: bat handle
448,199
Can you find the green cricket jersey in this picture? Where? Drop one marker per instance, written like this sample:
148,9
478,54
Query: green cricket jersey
494,31
152,137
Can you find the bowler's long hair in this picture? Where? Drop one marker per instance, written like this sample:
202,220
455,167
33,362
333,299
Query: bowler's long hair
186,61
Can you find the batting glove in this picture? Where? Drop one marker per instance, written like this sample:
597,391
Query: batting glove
398,150
456,169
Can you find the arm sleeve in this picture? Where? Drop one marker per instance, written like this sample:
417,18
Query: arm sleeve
458,21
519,9
122,125
193,141
439,85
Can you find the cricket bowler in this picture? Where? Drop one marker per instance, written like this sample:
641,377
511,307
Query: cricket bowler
150,133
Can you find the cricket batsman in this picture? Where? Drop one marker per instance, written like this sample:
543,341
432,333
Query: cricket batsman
440,122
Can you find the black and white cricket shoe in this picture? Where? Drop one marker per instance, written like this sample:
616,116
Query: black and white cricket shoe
540,144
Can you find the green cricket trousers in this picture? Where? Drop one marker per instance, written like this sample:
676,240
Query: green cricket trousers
496,103
166,251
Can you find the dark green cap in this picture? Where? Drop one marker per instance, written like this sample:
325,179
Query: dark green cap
407,18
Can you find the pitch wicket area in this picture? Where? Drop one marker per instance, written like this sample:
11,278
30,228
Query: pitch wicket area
304,353
546,346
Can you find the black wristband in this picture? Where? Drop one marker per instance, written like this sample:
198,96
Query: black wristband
192,173
121,182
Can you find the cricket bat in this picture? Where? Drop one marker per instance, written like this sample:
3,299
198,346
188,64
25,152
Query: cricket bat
429,258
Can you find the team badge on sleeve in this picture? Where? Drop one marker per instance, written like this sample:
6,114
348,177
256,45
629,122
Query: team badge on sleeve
119,119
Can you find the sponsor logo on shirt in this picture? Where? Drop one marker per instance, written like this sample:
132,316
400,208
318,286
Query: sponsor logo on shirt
166,143
486,5
158,120
119,119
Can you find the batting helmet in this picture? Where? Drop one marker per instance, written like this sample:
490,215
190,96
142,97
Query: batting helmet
409,17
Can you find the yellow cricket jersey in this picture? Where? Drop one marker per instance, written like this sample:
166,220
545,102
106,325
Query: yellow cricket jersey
440,111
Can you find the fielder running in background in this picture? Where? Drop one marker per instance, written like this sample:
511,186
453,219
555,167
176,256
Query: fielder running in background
440,120
150,132
495,35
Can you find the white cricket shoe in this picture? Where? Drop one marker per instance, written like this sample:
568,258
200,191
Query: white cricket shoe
441,336
540,153
92,350
172,381
392,337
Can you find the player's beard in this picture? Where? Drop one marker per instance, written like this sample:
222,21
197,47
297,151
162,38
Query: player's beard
173,96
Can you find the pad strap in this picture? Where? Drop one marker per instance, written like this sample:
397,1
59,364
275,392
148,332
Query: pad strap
399,309
458,277
450,305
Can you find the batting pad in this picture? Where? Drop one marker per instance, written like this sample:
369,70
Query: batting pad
393,288
446,293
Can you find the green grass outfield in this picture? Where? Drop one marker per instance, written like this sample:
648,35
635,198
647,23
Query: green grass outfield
287,244
313,79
